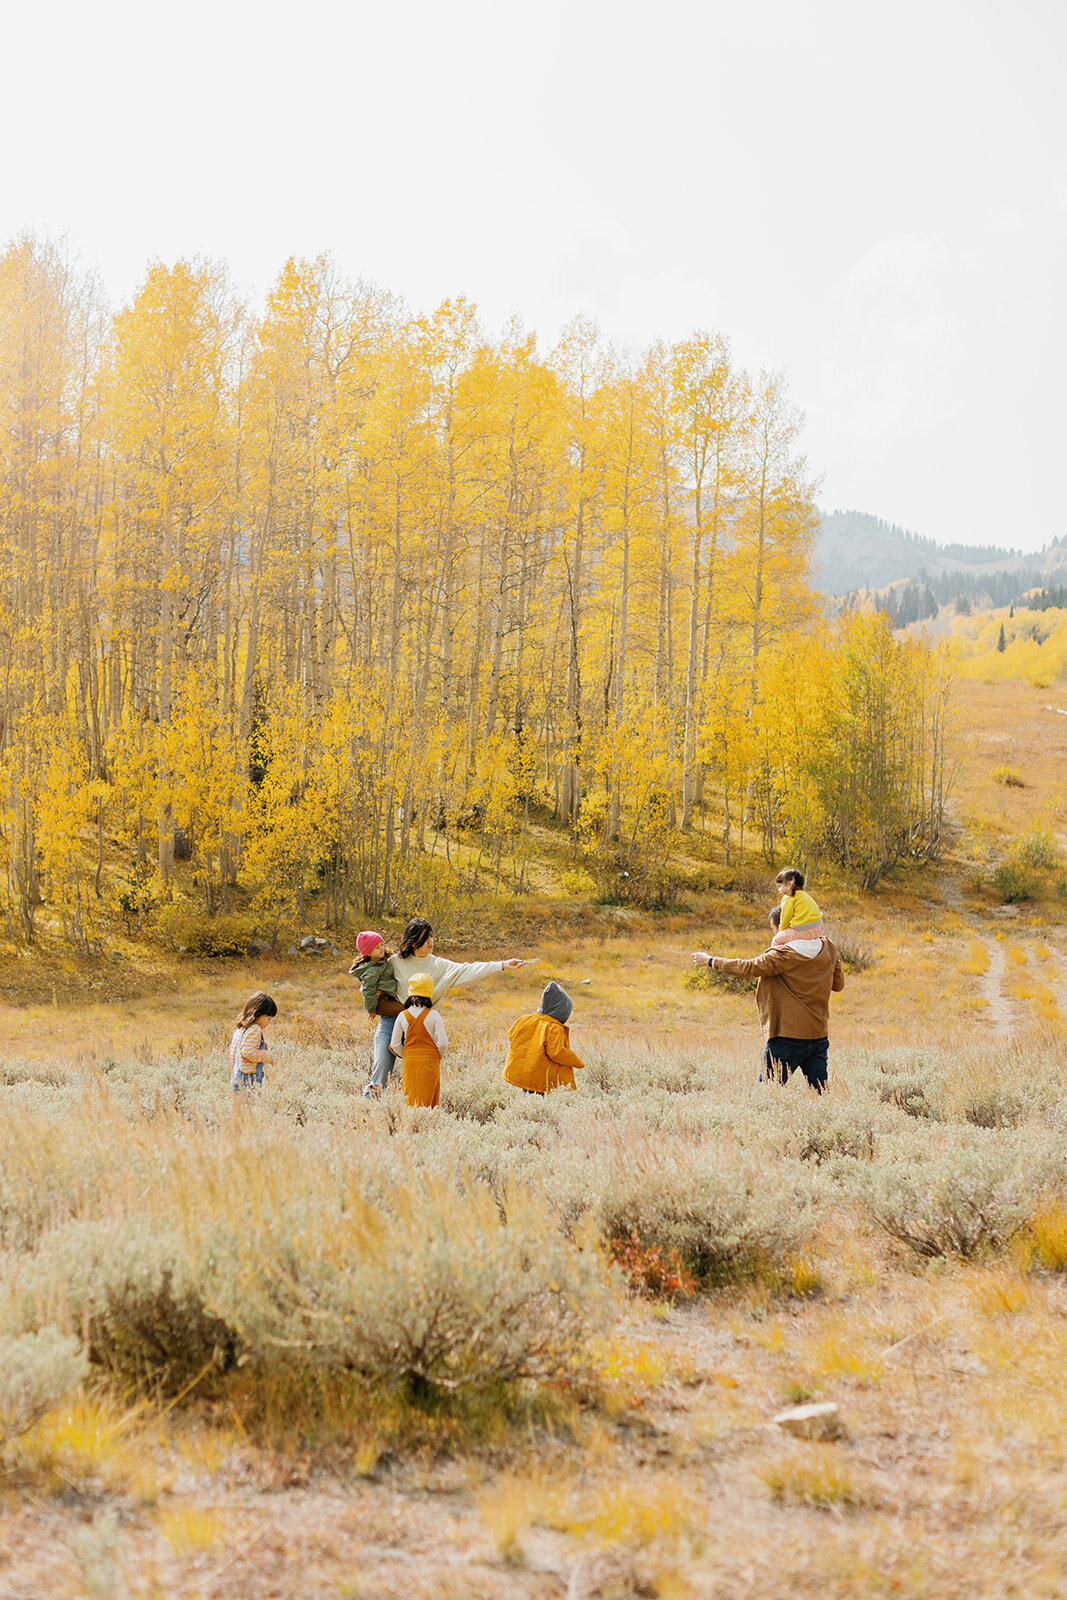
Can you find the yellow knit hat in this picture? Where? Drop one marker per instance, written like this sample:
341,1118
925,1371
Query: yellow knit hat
422,985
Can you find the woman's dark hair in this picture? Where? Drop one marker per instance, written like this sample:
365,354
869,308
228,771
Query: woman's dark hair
258,1005
774,916
417,1000
791,875
415,934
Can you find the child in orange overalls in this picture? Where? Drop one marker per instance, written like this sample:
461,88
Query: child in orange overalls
419,1037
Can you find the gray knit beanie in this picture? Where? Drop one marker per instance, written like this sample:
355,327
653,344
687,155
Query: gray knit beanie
556,1002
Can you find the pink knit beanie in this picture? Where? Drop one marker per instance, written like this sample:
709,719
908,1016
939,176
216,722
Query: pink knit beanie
366,942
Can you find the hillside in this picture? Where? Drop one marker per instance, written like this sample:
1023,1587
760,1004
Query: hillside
855,550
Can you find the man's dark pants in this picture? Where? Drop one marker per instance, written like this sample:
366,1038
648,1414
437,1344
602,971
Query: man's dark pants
782,1057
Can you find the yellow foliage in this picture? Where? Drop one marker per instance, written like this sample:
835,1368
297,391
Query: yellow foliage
852,730
1045,1240
840,1349
360,590
191,1530
1035,649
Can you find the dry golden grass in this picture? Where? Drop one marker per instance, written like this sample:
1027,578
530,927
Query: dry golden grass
191,1530
206,1449
843,1347
814,1475
961,1434
627,994
1044,1244
977,962
94,1438
1011,725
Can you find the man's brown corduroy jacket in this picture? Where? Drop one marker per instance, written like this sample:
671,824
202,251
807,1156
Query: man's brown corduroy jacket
793,992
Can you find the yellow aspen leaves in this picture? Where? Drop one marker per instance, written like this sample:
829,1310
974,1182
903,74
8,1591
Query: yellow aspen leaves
335,601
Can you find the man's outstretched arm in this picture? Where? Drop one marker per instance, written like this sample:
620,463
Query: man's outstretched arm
768,965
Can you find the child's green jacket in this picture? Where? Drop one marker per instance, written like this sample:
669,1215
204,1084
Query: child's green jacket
377,979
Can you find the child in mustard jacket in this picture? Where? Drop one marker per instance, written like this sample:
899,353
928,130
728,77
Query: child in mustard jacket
540,1057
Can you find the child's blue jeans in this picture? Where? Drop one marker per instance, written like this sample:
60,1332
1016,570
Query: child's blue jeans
245,1080
384,1059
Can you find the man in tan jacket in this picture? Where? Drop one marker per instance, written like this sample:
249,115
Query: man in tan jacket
793,1000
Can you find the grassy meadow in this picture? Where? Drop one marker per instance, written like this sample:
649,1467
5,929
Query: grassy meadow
309,1346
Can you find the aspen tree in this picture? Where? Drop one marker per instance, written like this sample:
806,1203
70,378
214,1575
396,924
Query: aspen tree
629,450
48,333
773,535
168,388
708,406
577,360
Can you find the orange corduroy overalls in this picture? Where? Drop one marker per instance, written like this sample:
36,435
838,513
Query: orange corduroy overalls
422,1064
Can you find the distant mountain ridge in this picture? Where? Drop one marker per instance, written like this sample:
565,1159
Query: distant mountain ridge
854,550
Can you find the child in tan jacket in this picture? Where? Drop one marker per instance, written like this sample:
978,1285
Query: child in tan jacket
540,1057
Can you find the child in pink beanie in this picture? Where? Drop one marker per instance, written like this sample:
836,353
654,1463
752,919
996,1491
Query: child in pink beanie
378,981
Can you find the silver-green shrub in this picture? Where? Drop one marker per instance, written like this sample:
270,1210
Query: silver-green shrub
726,1213
303,1225
132,1286
958,1199
434,1287
36,1371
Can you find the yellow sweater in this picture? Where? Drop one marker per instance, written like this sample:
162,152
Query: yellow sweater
799,909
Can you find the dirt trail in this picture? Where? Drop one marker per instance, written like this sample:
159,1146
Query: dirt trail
1000,1011
951,894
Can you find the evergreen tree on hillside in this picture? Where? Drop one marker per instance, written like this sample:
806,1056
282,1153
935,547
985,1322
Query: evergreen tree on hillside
1002,642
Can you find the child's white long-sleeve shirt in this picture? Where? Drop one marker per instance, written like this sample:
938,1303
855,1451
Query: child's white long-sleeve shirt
434,1027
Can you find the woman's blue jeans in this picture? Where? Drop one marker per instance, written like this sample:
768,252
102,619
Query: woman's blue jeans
384,1059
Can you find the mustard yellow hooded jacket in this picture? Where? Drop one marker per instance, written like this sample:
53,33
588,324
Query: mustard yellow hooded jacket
539,1055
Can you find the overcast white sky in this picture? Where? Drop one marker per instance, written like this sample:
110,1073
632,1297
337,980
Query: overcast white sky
873,198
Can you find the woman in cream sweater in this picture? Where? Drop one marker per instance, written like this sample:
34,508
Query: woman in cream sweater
415,956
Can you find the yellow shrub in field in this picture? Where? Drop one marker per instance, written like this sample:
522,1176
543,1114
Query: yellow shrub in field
816,1475
576,881
1045,1241
198,935
191,1530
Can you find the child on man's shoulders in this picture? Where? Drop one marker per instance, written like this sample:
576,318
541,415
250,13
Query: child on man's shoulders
801,918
